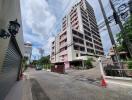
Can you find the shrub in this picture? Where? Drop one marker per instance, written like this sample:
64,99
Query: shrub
129,62
88,63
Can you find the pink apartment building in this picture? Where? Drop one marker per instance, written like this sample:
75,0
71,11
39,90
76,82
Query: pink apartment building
79,37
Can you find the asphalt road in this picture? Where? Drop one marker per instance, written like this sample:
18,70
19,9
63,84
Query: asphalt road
53,86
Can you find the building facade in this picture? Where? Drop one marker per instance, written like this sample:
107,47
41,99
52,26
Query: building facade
11,49
28,51
79,37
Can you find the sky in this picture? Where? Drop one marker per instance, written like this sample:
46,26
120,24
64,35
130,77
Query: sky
41,21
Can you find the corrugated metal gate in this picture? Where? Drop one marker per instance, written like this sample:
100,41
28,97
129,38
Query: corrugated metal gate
9,71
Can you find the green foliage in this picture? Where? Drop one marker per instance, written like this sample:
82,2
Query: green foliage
126,36
121,48
129,62
24,63
45,62
34,62
88,63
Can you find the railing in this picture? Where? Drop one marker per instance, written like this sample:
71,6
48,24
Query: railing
118,72
115,69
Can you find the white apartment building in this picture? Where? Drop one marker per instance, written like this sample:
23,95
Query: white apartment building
28,51
79,37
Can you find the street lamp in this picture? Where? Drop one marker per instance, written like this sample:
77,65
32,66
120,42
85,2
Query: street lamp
13,29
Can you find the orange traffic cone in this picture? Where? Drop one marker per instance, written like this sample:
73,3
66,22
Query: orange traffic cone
103,82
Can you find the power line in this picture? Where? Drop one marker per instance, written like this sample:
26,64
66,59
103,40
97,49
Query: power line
55,26
102,24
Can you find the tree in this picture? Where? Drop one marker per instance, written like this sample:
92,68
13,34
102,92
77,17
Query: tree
88,63
45,61
125,39
24,63
34,62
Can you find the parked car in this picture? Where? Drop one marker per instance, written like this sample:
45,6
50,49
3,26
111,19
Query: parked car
38,68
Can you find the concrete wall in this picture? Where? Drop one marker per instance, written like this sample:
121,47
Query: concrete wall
9,11
57,49
69,40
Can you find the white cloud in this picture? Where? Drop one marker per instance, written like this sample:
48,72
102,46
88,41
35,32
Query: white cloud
37,16
37,22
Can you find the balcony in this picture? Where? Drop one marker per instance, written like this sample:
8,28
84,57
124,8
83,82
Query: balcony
88,44
98,45
63,52
64,58
97,41
74,18
63,44
78,47
52,60
64,29
78,40
75,22
63,38
76,26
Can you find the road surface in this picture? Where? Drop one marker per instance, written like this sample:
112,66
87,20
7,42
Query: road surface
52,86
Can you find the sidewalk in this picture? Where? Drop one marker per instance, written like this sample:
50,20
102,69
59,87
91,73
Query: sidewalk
125,83
20,91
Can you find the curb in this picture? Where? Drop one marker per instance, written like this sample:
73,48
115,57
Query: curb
128,84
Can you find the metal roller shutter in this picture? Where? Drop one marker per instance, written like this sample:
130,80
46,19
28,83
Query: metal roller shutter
9,71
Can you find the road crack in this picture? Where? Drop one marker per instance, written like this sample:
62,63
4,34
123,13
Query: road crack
37,92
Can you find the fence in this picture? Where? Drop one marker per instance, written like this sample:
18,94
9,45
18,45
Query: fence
58,69
115,69
119,72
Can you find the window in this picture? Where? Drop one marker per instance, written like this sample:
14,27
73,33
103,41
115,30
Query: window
87,33
76,47
82,49
90,50
76,54
88,38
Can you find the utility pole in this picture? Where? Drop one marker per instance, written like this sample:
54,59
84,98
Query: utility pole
109,31
118,21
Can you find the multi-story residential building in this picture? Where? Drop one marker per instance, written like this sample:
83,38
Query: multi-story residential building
28,51
12,48
79,37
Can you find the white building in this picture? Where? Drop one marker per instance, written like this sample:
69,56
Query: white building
28,51
79,37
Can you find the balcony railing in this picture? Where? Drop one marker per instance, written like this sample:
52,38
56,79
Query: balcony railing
63,45
63,38
63,52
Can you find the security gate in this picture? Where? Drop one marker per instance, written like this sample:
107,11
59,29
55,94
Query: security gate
10,69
